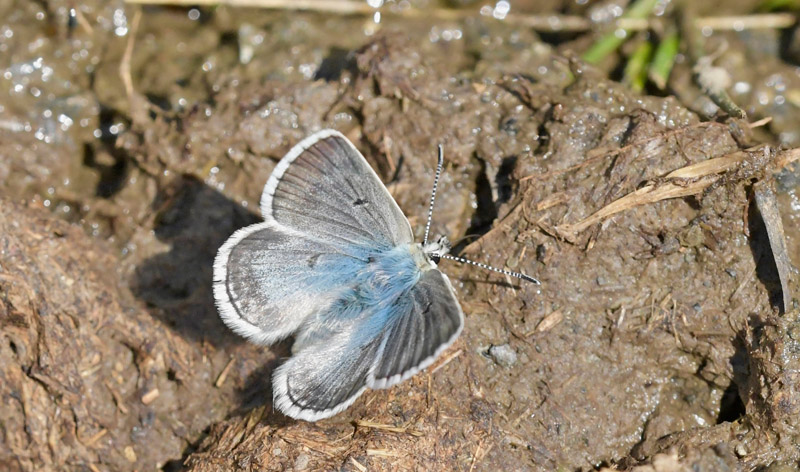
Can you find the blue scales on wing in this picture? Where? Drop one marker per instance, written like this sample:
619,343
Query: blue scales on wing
415,336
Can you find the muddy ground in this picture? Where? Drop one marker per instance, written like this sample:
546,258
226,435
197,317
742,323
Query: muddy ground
658,339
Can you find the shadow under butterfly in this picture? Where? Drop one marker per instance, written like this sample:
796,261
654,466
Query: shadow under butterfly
335,264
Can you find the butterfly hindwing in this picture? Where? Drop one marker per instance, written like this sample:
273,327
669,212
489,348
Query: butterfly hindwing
327,376
367,346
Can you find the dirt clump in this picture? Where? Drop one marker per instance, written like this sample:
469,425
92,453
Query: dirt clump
89,378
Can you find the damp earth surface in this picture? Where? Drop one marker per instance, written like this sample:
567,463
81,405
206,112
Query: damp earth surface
135,140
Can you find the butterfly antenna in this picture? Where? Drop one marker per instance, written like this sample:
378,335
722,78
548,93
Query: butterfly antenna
488,267
433,193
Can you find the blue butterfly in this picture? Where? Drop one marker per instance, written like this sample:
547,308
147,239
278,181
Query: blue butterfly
335,264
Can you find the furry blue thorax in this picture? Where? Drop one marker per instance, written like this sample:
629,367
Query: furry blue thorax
389,274
371,296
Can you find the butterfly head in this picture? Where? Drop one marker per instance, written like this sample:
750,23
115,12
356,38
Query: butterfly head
435,250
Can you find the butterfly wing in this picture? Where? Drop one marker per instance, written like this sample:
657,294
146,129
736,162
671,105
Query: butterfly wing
325,212
324,187
374,349
268,280
325,377
430,323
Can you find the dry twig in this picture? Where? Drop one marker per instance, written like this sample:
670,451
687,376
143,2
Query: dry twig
547,323
224,374
550,23
383,453
767,203
689,180
135,102
447,360
388,427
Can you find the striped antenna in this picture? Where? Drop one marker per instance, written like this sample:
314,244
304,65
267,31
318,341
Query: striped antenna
488,267
433,194
461,259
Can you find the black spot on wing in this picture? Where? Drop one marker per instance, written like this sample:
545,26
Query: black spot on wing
312,261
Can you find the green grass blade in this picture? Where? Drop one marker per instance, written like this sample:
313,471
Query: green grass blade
635,74
612,40
664,59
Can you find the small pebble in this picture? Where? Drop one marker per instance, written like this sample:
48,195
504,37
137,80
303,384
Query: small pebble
503,355
301,463
129,454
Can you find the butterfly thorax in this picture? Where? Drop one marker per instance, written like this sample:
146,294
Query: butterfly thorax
387,275
391,273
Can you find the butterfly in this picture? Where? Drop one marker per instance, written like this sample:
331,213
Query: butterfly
334,263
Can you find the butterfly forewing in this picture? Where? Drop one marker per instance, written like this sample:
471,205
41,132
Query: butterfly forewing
257,274
325,213
324,187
